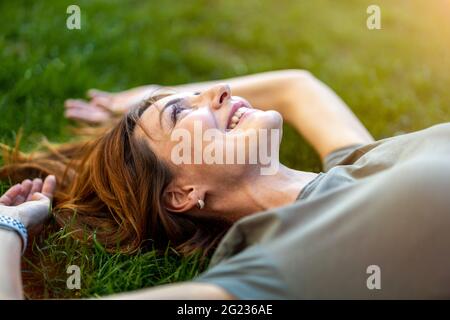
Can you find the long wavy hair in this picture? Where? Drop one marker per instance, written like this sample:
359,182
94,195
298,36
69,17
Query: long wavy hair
111,186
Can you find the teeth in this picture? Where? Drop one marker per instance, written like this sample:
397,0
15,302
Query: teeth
237,115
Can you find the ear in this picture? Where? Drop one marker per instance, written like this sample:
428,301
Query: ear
181,199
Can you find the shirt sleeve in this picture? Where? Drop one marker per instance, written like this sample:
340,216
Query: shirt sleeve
337,156
250,274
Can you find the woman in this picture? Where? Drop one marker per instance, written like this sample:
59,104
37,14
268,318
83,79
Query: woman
128,187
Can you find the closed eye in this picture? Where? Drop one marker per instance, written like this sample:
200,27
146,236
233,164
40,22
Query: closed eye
176,109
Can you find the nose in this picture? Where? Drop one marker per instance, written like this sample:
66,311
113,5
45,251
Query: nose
218,95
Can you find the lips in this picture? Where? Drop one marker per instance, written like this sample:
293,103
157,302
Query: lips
237,111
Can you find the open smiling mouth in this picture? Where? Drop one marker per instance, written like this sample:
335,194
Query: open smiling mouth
237,111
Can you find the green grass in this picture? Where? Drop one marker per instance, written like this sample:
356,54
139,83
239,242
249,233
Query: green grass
102,273
395,79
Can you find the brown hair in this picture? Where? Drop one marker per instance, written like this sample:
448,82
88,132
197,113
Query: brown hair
112,186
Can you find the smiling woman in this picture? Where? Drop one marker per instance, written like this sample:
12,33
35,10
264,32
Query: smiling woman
124,189
213,130
117,189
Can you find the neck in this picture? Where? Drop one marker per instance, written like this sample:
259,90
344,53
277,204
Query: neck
263,192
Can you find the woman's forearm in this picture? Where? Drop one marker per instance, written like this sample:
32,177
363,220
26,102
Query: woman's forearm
322,117
10,270
304,101
267,90
177,291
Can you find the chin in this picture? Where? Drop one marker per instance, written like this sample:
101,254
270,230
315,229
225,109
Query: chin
276,120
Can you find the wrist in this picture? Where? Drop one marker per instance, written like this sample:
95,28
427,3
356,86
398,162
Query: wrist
16,214
13,225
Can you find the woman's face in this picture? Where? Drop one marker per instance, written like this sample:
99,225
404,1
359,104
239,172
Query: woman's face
188,131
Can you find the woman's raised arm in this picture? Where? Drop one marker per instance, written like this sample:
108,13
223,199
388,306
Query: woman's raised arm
308,104
321,116
305,102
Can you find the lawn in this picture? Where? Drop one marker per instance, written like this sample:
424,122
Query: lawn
395,79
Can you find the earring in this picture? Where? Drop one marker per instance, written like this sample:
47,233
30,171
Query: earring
200,204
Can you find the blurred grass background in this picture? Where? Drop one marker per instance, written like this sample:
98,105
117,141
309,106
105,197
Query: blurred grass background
395,79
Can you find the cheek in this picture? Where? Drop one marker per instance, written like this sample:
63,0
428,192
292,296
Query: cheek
186,139
194,122
264,120
163,148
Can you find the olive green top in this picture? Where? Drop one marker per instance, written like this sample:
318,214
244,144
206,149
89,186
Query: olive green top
384,206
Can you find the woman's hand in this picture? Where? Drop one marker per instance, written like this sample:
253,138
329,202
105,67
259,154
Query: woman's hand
29,201
103,106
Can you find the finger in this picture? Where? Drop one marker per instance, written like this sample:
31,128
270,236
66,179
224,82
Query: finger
90,116
71,103
92,93
49,186
37,196
76,115
27,184
104,102
22,197
10,195
37,187
85,106
82,104
97,104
